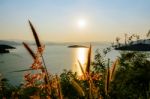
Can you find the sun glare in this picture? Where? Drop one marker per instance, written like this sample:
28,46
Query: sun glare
81,23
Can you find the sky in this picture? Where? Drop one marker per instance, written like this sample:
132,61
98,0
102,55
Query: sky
59,20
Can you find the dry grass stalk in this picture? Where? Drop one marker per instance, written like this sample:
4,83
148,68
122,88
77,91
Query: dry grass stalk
82,69
38,44
40,49
35,35
90,87
113,68
22,70
93,91
107,79
38,61
29,50
88,60
77,87
59,88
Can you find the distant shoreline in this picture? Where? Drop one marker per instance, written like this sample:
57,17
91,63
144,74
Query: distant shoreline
7,42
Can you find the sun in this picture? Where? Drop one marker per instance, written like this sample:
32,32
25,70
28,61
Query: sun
81,23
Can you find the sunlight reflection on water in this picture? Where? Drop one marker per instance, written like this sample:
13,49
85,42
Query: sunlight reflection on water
81,55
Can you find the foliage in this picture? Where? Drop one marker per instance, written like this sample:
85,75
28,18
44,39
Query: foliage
6,88
132,77
99,62
68,89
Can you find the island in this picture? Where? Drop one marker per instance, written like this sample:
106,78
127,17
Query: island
77,46
5,48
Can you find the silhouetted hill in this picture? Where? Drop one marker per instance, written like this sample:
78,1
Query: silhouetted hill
16,42
5,42
77,43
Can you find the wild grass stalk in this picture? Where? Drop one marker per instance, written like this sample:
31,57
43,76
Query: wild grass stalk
38,43
92,87
35,35
59,88
113,68
77,87
23,70
107,79
82,70
88,72
29,50
88,60
38,60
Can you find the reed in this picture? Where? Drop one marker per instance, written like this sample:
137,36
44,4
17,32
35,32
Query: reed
39,63
89,78
35,35
88,60
22,70
29,50
107,79
113,68
77,87
82,69
90,89
40,49
59,88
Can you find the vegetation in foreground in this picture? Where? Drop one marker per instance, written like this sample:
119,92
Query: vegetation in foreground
126,78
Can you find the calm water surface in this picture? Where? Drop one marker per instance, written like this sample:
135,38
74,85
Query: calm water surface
57,59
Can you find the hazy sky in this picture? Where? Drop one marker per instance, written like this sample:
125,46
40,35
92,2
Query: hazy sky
56,20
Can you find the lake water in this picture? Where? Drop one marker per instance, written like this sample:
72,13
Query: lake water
57,58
